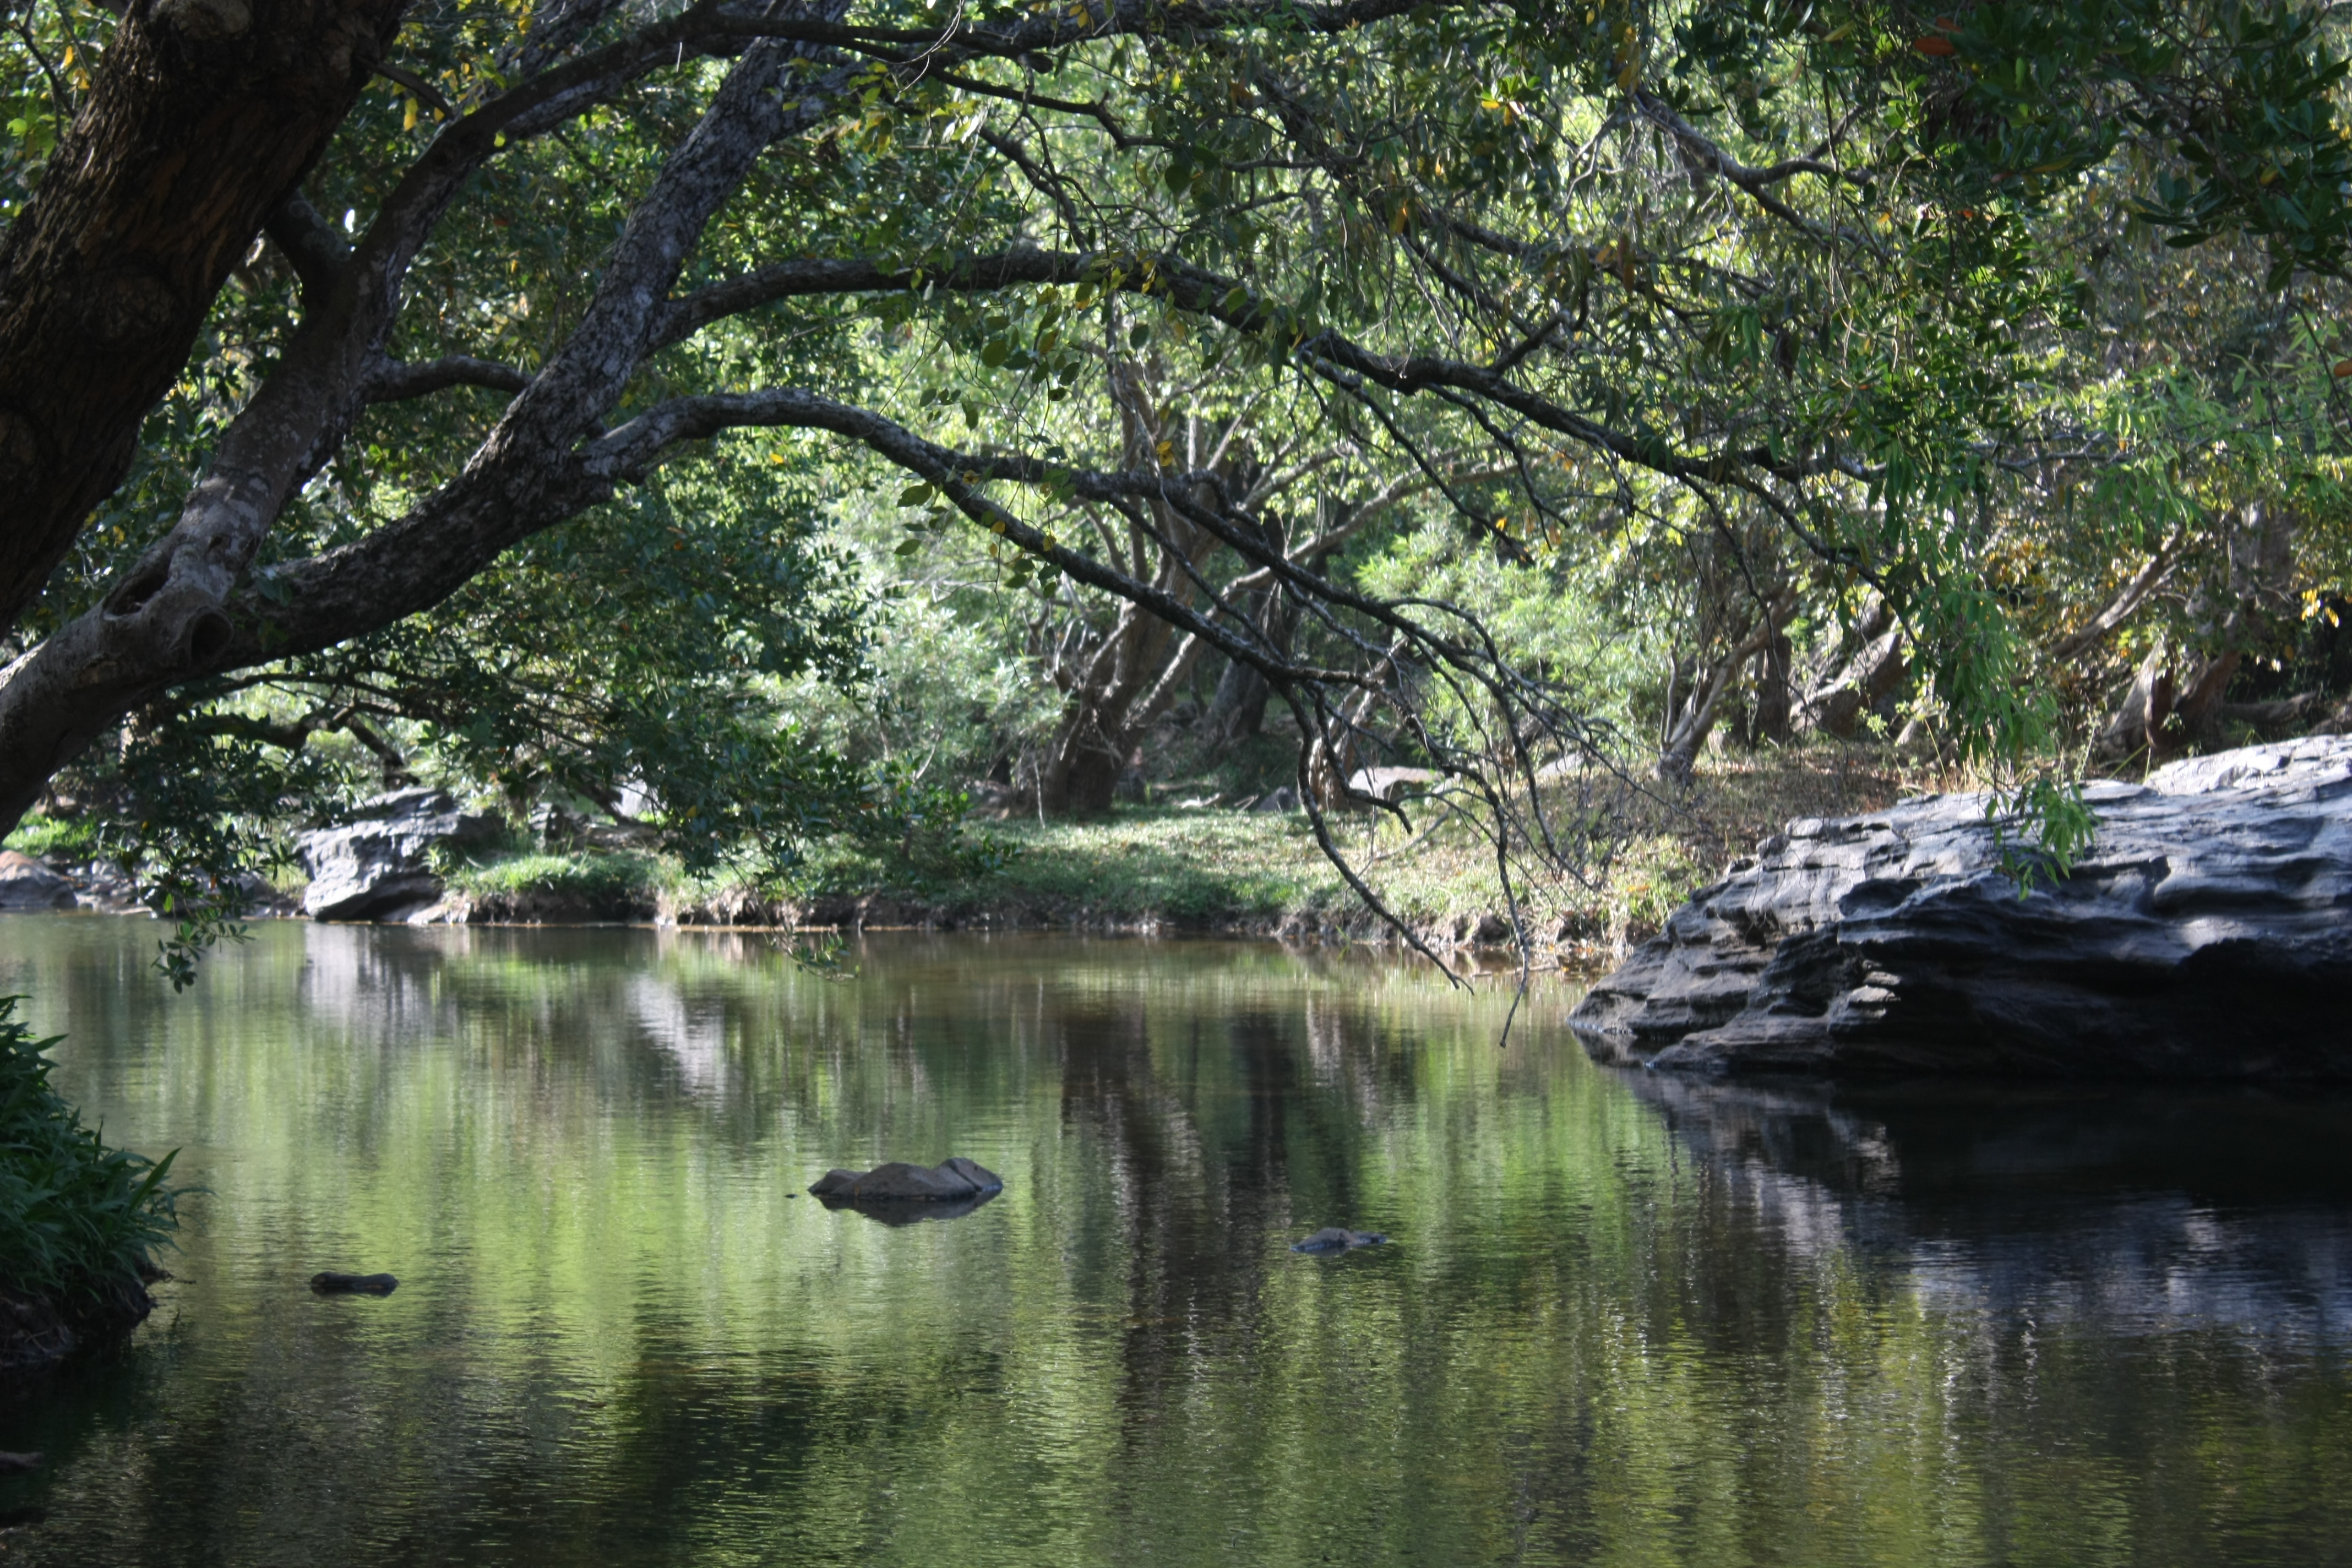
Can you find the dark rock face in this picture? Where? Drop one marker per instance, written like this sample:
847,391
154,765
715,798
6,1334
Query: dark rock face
2206,934
900,1193
373,867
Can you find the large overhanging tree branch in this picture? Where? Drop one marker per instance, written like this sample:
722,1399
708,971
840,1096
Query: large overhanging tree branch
204,116
169,620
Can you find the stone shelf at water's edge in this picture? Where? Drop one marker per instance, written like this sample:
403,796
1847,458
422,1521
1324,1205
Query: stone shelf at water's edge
2206,934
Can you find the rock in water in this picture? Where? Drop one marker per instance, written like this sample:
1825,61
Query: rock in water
951,1181
329,1283
1335,1240
374,867
2206,934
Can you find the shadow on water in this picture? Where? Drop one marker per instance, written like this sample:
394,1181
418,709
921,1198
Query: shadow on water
1620,1317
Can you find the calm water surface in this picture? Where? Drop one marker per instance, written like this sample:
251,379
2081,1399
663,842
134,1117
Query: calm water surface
1624,1319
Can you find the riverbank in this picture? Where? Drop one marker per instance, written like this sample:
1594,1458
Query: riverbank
1172,868
1180,867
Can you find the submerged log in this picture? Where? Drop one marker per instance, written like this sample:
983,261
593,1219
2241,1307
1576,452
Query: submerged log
329,1283
2207,933
1335,1238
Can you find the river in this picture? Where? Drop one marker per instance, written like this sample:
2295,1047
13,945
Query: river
1622,1318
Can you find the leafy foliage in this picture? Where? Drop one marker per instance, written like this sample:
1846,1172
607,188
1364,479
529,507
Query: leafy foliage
76,1219
1106,349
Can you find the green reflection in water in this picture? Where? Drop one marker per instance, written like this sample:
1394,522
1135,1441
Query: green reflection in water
1619,1324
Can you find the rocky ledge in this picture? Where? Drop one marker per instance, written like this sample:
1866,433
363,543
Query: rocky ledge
376,866
2206,934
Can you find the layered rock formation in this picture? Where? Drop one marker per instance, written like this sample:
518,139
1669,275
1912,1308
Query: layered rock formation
2206,934
375,865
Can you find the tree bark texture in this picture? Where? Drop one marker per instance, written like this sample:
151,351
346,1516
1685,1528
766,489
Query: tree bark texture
1837,705
206,115
1768,722
1128,678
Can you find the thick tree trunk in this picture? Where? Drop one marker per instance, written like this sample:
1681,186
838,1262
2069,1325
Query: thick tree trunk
2175,699
1238,710
1695,691
1837,704
2163,713
206,115
1101,737
1090,782
1770,721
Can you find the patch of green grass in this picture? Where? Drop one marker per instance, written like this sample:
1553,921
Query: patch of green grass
76,1219
1151,862
589,876
61,839
1217,866
1213,866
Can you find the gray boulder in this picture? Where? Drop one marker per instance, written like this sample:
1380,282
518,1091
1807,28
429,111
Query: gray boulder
1393,785
951,1181
374,867
2206,934
27,884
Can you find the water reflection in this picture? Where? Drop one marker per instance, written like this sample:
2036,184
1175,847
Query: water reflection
1620,1317
2123,1211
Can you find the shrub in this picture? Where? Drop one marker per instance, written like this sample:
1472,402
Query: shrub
589,877
76,1219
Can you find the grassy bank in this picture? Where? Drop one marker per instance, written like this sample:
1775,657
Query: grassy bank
1163,867
1147,865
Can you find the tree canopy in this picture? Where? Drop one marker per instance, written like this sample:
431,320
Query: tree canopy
489,368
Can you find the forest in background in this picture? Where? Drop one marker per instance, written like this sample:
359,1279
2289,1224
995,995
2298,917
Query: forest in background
747,440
